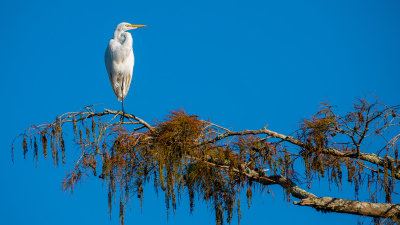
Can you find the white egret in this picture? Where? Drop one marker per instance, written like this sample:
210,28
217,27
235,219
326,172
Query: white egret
119,60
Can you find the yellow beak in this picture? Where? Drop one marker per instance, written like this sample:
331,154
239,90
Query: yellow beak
131,25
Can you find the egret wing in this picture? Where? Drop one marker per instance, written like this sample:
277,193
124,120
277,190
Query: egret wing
109,58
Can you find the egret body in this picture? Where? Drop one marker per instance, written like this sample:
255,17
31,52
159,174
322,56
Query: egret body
119,60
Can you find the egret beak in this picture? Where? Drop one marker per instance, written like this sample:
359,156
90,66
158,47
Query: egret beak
135,26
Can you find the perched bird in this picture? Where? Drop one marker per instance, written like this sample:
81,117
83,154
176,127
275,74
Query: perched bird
119,60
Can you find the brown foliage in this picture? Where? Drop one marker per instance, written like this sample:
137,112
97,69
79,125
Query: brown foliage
184,154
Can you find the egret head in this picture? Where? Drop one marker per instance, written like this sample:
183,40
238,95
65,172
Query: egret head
127,26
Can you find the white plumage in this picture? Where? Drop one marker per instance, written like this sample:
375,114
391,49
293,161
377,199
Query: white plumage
119,59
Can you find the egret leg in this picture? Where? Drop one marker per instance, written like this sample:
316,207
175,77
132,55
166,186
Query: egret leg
123,111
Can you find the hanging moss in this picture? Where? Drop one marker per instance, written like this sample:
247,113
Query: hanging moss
24,147
185,155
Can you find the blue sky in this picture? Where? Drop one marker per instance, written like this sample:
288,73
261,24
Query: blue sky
241,64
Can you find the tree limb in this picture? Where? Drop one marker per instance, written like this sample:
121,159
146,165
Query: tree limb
372,158
379,210
338,205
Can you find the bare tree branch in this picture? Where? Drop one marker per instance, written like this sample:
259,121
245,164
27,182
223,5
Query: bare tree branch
328,204
338,205
372,158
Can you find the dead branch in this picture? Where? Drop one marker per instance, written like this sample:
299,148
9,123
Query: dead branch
329,204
